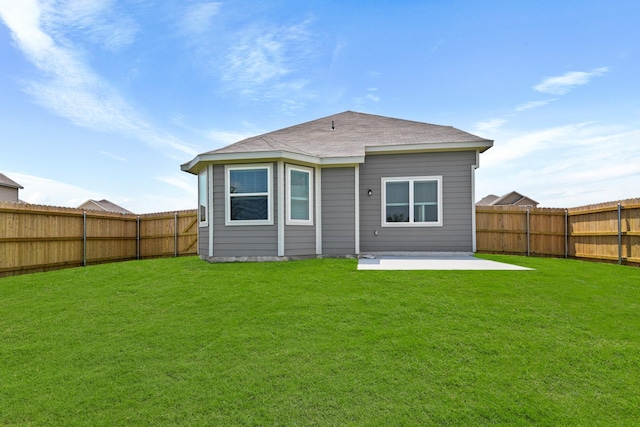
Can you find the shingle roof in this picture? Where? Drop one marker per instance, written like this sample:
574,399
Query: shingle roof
5,181
347,134
344,138
104,205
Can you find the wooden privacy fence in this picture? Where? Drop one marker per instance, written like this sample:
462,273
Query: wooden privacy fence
40,238
607,231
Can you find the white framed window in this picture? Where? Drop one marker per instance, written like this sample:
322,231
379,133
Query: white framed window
249,194
299,195
412,201
203,197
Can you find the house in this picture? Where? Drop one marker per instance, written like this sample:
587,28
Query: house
103,205
510,199
9,189
343,185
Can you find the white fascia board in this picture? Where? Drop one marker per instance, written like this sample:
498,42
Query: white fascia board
195,164
440,146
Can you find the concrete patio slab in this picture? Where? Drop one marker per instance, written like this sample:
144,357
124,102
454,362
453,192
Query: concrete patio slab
433,263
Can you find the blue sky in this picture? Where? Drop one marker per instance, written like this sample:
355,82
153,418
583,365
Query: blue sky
105,98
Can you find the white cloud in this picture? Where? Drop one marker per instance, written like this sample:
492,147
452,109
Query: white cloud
182,181
261,56
372,97
225,137
114,156
99,20
534,104
70,88
562,84
565,166
526,144
45,191
198,17
489,125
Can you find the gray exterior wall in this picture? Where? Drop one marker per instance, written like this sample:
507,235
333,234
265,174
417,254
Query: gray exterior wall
242,240
338,211
456,233
203,241
300,240
8,194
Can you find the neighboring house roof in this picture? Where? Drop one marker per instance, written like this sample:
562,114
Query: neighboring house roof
345,138
103,205
5,181
510,199
487,200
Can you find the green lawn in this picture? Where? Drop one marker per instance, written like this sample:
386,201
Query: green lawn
184,342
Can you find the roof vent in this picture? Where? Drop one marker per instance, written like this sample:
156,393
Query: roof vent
332,125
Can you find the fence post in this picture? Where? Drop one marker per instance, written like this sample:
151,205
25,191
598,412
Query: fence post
84,238
175,235
138,238
619,234
528,235
566,233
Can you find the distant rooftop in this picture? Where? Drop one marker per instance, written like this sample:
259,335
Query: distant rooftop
5,181
104,205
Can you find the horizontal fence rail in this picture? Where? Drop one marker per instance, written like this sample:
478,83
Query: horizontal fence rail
607,231
40,238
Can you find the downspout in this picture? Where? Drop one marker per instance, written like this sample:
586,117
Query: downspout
210,208
357,208
318,204
473,202
280,196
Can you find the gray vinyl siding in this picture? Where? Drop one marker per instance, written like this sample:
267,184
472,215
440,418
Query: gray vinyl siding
8,194
338,211
203,241
242,240
454,236
300,240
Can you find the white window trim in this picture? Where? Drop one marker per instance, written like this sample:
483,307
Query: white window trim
227,194
411,180
289,220
204,172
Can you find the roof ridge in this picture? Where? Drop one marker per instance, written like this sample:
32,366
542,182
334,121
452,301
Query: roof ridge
269,140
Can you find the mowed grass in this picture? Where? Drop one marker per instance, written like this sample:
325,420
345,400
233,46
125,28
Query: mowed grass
184,342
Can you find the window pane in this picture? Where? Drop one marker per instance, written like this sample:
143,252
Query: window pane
425,198
299,185
299,197
397,200
247,208
248,181
202,196
425,213
425,191
398,213
299,209
397,192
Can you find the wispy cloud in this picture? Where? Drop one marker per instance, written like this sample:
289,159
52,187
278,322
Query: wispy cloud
533,104
182,182
528,143
114,156
45,191
98,21
562,166
261,56
225,138
562,84
70,88
198,18
489,125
